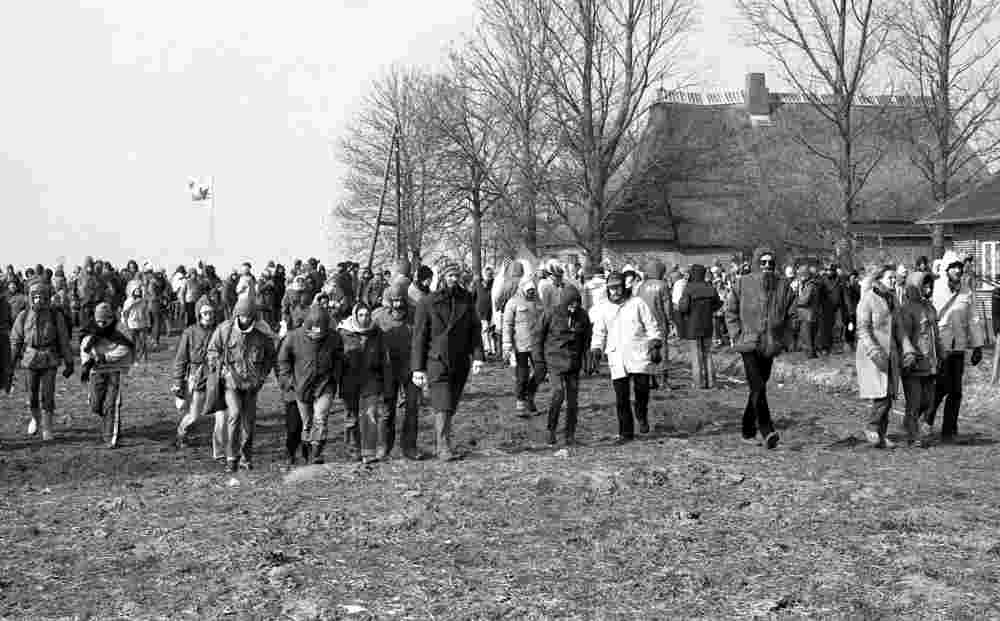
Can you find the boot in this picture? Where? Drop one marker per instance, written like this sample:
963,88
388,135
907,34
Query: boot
46,426
305,452
570,431
317,452
551,441
352,438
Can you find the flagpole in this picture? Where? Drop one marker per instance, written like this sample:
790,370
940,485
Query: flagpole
211,216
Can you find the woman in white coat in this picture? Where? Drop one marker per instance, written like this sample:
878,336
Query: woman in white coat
878,355
626,330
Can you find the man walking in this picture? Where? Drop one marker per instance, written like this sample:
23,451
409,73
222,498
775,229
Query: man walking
446,337
758,313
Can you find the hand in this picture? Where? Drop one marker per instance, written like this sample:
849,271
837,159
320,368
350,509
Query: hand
655,355
68,371
420,379
477,367
909,360
977,356
177,391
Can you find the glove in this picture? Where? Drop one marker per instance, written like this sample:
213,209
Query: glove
477,367
977,356
655,354
881,361
909,360
68,370
420,379
177,391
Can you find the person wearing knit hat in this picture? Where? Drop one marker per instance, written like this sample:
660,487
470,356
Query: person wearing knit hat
242,352
395,321
39,342
560,345
446,343
626,330
189,378
106,353
309,366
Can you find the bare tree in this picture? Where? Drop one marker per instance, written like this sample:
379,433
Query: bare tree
950,59
476,139
505,61
827,50
427,205
606,56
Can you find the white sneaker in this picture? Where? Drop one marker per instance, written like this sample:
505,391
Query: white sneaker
32,426
873,438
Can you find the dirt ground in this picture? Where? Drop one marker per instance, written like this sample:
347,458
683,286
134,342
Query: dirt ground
687,522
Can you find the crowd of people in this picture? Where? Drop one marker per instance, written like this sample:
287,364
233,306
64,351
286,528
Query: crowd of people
389,340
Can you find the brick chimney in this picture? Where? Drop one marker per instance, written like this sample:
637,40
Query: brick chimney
757,96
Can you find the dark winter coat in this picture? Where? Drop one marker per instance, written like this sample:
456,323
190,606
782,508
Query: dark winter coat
698,304
397,332
446,335
249,354
484,300
759,319
191,356
365,360
310,367
918,327
562,338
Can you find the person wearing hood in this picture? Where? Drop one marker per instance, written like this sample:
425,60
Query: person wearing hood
137,319
39,342
878,357
556,287
395,321
655,292
189,378
242,352
961,329
363,383
520,322
106,355
309,364
446,343
88,291
296,304
626,330
921,346
560,346
759,313
697,307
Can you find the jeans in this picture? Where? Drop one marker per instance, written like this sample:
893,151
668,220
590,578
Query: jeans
568,389
41,385
757,413
949,384
314,416
702,367
411,394
106,402
241,419
194,404
919,391
623,404
807,337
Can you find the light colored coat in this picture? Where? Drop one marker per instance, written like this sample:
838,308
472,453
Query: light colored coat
877,332
960,326
521,318
624,332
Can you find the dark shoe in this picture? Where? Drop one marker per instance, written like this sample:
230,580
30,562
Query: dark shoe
246,465
305,452
570,439
413,455
551,440
644,426
620,440
291,459
317,452
232,465
181,443
771,441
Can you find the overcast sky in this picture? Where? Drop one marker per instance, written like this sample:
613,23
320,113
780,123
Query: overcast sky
108,108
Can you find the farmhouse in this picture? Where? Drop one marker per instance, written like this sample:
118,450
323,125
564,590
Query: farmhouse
714,174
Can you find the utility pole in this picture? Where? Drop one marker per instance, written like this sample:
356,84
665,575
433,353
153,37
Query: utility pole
393,145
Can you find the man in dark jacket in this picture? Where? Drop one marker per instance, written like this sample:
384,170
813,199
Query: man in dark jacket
189,378
758,314
656,293
446,337
484,310
395,321
807,310
696,309
832,302
561,343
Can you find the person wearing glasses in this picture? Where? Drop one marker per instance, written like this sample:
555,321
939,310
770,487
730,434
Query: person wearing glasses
759,313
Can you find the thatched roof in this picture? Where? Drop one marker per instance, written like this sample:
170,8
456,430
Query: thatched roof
980,203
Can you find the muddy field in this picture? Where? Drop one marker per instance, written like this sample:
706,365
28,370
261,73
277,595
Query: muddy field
687,522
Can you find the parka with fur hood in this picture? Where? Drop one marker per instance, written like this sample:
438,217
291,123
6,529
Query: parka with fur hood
918,327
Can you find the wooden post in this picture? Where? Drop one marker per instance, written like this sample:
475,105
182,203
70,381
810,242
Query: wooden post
381,200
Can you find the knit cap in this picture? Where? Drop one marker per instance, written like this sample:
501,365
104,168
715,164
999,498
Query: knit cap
449,267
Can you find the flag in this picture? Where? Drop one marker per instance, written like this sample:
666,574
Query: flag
200,190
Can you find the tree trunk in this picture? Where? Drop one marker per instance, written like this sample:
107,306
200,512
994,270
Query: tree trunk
529,194
937,241
594,242
477,232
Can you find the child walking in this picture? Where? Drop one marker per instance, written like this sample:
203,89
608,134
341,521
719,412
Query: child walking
137,319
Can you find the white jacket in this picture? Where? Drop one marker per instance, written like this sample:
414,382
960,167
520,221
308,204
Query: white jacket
624,332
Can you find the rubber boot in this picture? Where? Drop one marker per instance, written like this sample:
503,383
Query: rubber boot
46,426
305,451
317,452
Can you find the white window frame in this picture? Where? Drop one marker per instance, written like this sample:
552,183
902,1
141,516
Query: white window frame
988,258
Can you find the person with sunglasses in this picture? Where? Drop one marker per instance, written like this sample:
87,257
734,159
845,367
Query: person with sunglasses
759,313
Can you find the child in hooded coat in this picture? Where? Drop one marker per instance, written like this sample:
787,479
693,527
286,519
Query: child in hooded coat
560,345
309,365
106,353
189,378
363,382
